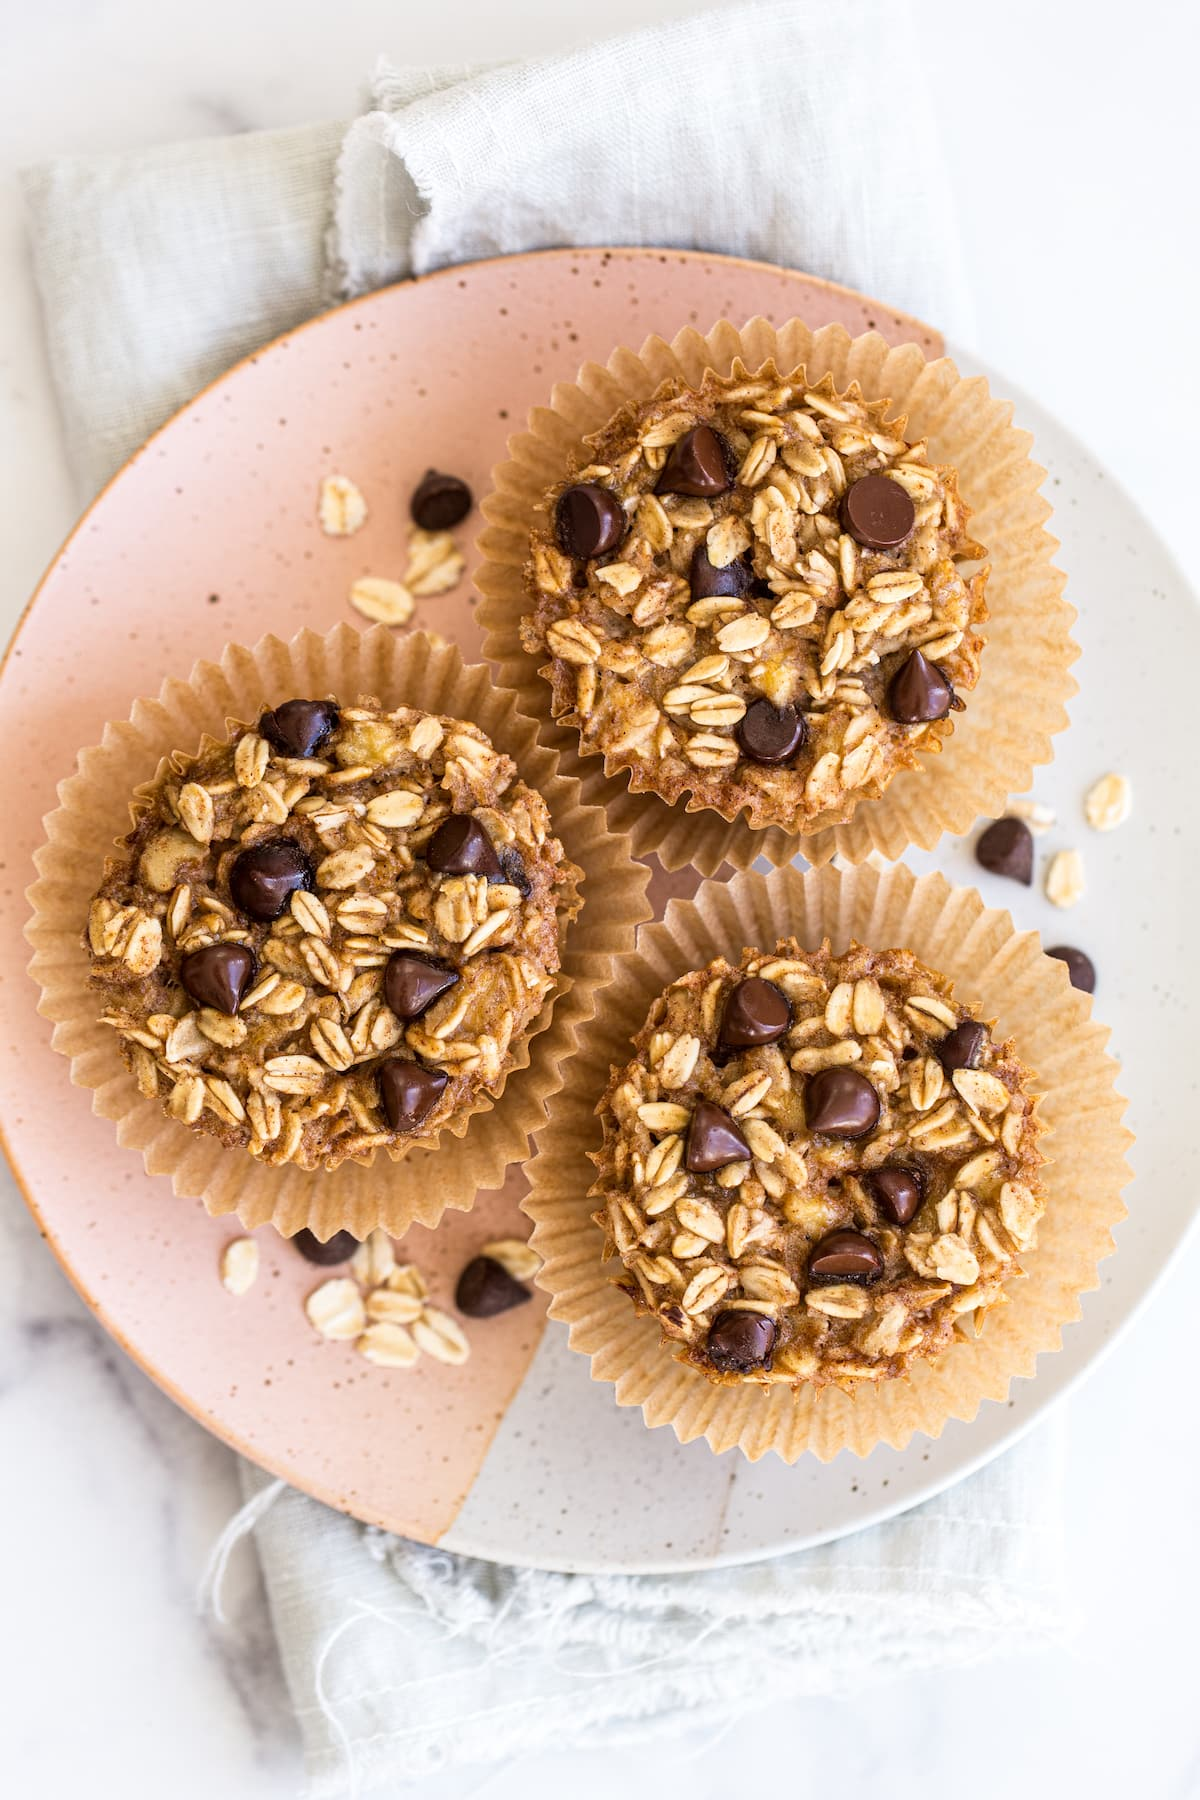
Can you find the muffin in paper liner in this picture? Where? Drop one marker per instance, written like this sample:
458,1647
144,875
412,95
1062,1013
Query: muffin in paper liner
477,1146
1001,971
1027,648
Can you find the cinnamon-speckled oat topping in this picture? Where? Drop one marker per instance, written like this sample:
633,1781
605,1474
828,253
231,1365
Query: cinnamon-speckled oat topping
327,935
752,592
816,1167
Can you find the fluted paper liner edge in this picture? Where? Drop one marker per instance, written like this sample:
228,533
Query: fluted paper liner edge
476,1148
1004,972
996,744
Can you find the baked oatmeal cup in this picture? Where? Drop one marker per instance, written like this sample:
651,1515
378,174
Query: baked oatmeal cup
995,748
757,591
816,1169
328,934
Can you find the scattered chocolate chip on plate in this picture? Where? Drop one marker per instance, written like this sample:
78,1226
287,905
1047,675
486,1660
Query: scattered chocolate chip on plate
1080,967
440,501
1006,848
337,1249
485,1288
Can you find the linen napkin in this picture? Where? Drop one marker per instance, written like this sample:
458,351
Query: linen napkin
791,131
795,132
405,1662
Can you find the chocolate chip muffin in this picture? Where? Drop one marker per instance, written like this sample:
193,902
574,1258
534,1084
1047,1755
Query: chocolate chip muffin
328,934
816,1168
752,592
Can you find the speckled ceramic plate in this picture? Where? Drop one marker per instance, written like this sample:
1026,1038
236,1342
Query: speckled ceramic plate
210,534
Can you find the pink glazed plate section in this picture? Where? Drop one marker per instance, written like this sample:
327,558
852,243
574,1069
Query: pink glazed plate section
210,535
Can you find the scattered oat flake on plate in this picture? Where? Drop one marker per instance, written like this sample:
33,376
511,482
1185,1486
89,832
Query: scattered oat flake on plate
239,1265
514,1256
1108,802
336,1309
1040,819
386,1306
440,1336
1065,883
435,563
406,1278
389,1345
385,602
374,1260
341,508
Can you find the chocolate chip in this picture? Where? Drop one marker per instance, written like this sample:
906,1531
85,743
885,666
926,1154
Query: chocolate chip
299,727
440,501
218,975
898,1192
740,1341
962,1047
700,463
409,1092
411,983
705,580
337,1249
845,1256
756,1012
878,512
1080,967
841,1103
588,520
485,1288
713,1140
512,870
919,692
264,878
1006,848
771,734
460,846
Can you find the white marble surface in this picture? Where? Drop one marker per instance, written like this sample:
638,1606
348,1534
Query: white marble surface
1074,133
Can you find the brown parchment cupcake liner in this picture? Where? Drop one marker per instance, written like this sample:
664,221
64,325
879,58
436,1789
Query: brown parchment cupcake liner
473,1151
991,964
1028,652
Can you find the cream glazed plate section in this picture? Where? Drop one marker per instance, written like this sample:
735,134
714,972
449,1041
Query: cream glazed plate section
210,535
693,1509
